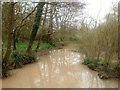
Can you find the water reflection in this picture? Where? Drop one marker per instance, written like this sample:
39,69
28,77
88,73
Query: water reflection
60,69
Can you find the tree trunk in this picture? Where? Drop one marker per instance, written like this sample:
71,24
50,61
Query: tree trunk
1,40
36,25
10,26
43,28
14,40
56,18
119,31
50,25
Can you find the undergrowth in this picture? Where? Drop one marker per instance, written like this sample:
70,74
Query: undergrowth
105,70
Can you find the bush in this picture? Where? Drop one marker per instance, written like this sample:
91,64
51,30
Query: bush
22,58
111,71
88,60
117,69
103,75
94,63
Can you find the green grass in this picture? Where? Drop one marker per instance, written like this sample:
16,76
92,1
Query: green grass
22,46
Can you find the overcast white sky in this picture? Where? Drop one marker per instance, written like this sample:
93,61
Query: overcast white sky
97,9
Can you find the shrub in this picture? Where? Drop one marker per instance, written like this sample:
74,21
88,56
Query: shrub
103,75
87,60
94,63
22,58
111,71
117,70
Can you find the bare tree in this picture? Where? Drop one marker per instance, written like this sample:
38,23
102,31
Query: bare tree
36,24
43,27
19,26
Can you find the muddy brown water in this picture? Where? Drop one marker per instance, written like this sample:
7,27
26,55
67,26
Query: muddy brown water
60,69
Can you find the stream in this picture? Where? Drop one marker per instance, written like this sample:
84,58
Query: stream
61,68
